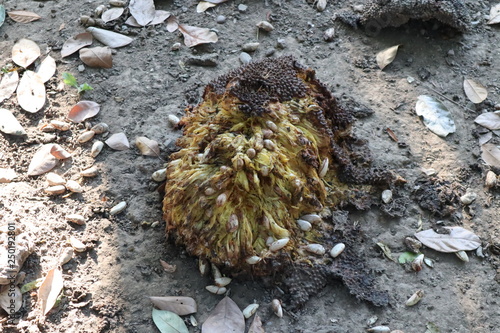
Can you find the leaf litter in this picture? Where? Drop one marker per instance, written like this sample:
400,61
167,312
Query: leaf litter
147,146
385,57
458,239
109,38
474,91
226,317
75,43
25,52
491,154
9,124
180,305
168,322
143,11
31,92
490,120
195,36
99,57
50,289
43,161
83,110
436,116
22,16
112,14
47,69
8,85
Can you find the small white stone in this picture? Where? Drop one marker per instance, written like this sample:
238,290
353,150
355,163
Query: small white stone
468,198
304,225
173,120
96,148
337,250
75,218
266,26
159,175
245,58
250,310
387,196
55,179
117,209
73,186
216,290
279,244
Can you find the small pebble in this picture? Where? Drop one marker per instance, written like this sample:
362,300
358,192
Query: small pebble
220,19
269,52
468,198
245,58
266,26
81,68
242,8
281,43
250,47
209,60
176,47
387,196
329,34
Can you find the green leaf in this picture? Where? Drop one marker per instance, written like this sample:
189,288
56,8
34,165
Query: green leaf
432,328
2,14
69,79
169,322
84,87
406,257
31,285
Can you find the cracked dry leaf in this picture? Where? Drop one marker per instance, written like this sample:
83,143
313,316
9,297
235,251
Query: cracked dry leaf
109,38
147,146
459,239
9,124
494,15
256,326
195,36
474,91
168,322
99,57
43,161
31,92
226,317
47,69
83,110
491,154
385,57
204,5
180,305
112,14
172,24
142,10
25,52
490,120
73,44
50,289
436,116
118,141
8,85
59,152
22,16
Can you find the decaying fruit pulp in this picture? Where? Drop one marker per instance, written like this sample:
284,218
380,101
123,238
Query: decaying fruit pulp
267,145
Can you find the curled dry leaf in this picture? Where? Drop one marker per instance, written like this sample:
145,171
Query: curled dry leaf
168,322
204,5
31,92
8,85
22,16
142,10
226,317
112,14
47,69
99,57
459,239
194,36
50,289
118,141
490,120
436,116
385,57
109,38
9,299
474,91
43,161
25,52
256,326
180,305
491,155
83,110
147,146
172,23
494,14
75,43
160,17
9,123
59,152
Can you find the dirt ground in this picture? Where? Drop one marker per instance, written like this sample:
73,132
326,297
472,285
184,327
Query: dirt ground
106,287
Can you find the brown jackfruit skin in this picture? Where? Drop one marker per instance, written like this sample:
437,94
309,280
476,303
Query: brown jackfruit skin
267,192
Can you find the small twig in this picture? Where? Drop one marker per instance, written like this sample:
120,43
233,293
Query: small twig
443,96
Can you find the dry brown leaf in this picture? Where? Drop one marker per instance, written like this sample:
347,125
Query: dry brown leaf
112,14
385,57
132,22
458,239
25,52
491,154
22,16
49,290
256,326
179,305
59,152
490,120
475,92
142,10
99,57
31,92
8,85
160,17
494,15
47,69
83,110
75,43
485,138
147,146
9,123
204,5
194,36
118,141
9,298
391,134
43,161
226,317
109,38
172,23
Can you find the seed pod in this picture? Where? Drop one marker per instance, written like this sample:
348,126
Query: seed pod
304,225
264,171
416,264
216,274
117,3
216,290
159,175
99,10
253,260
387,196
77,245
379,329
66,256
87,21
209,191
221,200
47,128
96,148
312,218
479,252
75,218
250,310
238,164
491,180
266,26
55,190
316,249
337,250
203,267
279,244
269,144
415,298
193,321
117,209
173,120
321,5
413,244
223,281
270,240
277,309
251,153
73,186
272,126
232,224
85,136
90,172
100,128
55,179
324,168
462,255
60,125
267,134
259,144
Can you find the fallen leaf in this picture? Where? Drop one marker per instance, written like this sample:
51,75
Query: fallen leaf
59,152
475,92
194,36
180,305
491,155
24,52
485,138
31,285
406,257
436,116
459,239
43,161
110,38
8,85
22,16
47,69
256,326
99,57
142,10
112,14
83,110
118,141
168,322
226,317
204,5
31,92
168,268
172,23
131,21
386,250
9,298
50,289
2,14
494,14
160,17
385,57
391,134
73,44
147,146
9,123
490,120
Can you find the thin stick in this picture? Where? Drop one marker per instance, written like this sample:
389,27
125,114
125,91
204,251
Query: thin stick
450,100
